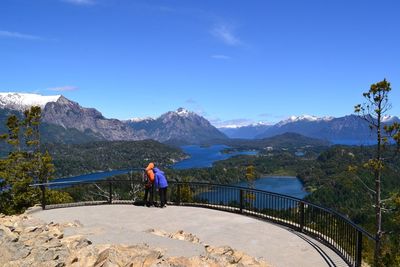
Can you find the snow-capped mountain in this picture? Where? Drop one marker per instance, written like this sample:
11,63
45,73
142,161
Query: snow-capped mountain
67,119
292,119
62,115
349,129
245,132
179,113
344,130
180,126
22,101
389,119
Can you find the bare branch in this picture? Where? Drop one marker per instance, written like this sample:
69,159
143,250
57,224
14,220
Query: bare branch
366,186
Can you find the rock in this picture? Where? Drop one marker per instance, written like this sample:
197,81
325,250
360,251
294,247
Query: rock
25,241
69,114
229,256
33,229
7,234
182,261
83,257
76,223
179,235
76,242
18,251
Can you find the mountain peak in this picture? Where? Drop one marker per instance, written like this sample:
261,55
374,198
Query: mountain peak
389,118
304,117
182,112
22,101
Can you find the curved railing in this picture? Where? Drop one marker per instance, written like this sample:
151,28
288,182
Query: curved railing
331,228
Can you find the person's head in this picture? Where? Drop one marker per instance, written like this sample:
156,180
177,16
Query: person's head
150,166
149,171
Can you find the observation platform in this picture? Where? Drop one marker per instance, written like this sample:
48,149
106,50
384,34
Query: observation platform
129,225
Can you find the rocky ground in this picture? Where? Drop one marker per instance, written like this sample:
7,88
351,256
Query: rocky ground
27,241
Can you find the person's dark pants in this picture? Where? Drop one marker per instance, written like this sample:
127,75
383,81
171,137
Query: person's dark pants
149,191
163,196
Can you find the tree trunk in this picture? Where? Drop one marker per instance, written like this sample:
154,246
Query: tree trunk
378,208
378,220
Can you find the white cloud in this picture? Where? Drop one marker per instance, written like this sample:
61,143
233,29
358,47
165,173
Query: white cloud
221,57
66,88
80,2
225,33
18,35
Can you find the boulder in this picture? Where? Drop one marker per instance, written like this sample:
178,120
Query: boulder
25,241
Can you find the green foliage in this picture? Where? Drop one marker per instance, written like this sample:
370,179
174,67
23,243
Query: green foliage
290,142
373,111
25,164
250,176
57,197
186,192
76,159
391,250
332,184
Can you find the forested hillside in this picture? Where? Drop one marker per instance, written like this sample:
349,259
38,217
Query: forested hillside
75,159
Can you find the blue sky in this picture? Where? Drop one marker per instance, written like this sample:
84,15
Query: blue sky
243,61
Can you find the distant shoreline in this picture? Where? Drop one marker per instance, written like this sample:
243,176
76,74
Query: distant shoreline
277,176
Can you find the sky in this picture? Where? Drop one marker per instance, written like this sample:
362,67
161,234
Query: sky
233,62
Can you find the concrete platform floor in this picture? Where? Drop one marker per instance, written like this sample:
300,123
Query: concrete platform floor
127,224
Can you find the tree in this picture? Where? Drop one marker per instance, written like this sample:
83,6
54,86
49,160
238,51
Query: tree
250,176
25,164
373,111
392,255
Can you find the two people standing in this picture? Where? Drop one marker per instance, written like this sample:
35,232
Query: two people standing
158,180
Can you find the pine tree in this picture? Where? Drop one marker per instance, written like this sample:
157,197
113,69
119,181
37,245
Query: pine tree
373,111
25,165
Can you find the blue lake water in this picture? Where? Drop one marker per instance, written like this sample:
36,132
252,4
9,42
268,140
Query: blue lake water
286,185
93,176
204,157
290,186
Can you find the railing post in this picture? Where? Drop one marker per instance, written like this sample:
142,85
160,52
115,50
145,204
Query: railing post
110,192
359,249
241,200
301,222
179,195
43,189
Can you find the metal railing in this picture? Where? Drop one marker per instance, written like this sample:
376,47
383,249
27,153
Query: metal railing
329,227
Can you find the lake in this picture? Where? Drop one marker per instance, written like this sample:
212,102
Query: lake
290,186
204,157
286,185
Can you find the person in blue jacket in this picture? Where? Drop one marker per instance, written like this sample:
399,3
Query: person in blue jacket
160,182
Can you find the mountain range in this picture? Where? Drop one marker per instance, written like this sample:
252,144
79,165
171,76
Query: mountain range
65,121
350,130
177,127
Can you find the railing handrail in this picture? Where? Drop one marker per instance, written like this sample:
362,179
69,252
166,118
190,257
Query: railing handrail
287,197
341,216
352,255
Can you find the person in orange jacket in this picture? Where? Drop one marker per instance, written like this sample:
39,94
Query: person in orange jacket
149,186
